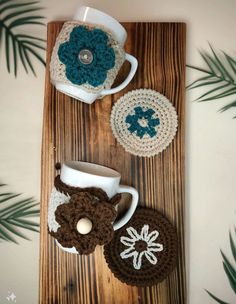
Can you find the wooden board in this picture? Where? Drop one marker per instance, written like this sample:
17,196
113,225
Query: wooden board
76,131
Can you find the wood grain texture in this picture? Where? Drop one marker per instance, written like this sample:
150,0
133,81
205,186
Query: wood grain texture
76,131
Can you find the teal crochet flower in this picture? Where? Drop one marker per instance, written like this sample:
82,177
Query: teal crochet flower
87,56
142,122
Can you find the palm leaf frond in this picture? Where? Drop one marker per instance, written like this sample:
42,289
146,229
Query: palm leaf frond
228,106
220,66
229,269
19,46
219,79
7,197
14,214
231,62
215,298
232,246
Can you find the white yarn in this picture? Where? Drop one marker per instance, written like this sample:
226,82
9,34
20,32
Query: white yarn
149,238
57,198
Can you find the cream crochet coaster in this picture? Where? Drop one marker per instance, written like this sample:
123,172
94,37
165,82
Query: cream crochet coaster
144,122
91,47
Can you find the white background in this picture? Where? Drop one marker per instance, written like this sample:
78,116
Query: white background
210,147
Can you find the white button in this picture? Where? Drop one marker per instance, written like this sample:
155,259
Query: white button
84,225
85,56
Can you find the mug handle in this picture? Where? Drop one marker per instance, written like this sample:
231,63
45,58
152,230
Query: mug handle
134,65
126,189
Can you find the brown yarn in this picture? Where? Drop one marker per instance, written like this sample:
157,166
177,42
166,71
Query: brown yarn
70,190
149,274
84,205
115,199
97,192
58,166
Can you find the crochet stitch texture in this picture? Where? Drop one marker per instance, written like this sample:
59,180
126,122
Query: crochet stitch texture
142,122
69,204
141,245
58,68
144,251
84,205
95,41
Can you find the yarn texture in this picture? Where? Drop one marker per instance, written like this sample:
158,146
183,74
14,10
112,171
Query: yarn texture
86,56
84,205
70,204
141,246
144,251
70,190
102,56
144,122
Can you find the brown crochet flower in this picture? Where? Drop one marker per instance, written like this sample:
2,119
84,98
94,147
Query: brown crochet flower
84,205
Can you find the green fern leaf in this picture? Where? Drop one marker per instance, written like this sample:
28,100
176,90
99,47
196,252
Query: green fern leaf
15,5
219,79
230,272
208,62
204,84
198,80
26,20
22,57
14,214
25,226
223,70
229,269
225,93
233,246
212,91
8,197
231,62
20,46
28,60
215,298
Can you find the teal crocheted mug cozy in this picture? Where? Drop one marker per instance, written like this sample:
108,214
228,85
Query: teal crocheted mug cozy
86,56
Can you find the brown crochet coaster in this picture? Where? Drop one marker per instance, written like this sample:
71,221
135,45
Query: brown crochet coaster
144,251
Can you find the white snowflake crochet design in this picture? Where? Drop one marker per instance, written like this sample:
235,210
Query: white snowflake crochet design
145,244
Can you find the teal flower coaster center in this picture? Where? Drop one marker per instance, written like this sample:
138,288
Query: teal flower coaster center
87,56
142,122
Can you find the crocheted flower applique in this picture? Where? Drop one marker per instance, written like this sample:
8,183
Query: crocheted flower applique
87,56
140,245
83,205
142,122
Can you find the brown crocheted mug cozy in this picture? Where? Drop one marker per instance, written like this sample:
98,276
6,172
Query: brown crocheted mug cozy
144,251
90,203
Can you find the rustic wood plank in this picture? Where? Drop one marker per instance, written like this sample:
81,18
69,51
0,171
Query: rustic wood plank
74,130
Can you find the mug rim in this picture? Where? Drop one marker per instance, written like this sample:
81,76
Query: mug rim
70,165
92,9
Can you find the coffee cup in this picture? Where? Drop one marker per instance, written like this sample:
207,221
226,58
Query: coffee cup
84,174
65,76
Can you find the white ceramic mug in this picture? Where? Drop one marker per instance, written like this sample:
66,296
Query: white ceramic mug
93,16
84,174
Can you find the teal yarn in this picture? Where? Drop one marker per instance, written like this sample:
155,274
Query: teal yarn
96,41
146,118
